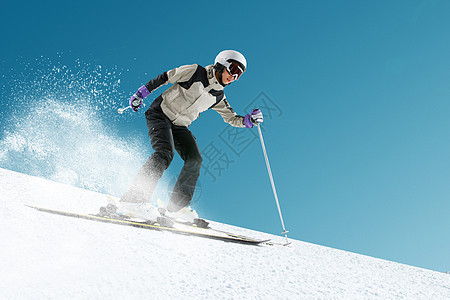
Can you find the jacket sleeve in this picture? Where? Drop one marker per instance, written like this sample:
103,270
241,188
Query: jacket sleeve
157,82
182,73
228,114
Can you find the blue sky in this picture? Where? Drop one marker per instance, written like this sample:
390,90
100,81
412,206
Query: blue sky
358,93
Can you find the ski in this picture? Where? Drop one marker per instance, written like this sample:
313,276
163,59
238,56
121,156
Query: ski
109,211
165,226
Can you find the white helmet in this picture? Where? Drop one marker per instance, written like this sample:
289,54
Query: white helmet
227,57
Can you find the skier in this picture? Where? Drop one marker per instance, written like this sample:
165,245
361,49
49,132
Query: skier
195,89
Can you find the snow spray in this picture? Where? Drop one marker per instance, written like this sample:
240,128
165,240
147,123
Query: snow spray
58,123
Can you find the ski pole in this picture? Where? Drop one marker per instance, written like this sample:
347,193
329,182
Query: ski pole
273,183
121,110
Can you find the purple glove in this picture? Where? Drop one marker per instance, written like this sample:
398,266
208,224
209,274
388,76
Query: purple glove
136,99
256,117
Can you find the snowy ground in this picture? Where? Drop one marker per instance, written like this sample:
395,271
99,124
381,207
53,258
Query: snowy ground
46,256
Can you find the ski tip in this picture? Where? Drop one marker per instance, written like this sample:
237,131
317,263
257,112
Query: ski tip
270,243
31,206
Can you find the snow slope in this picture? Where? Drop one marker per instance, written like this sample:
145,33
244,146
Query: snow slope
46,256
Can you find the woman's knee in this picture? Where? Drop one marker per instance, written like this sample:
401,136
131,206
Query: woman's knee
194,161
166,155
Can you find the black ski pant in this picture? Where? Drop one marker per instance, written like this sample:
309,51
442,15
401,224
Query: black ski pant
165,138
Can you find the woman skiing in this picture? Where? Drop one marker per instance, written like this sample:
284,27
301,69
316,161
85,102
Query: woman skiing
195,89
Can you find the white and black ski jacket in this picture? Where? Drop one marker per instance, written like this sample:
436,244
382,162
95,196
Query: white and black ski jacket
195,89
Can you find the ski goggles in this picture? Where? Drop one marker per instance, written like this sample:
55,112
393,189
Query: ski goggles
235,70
